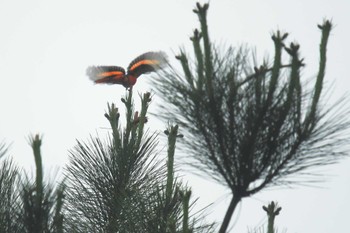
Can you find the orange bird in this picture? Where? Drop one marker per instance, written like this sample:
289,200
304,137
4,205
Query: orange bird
145,63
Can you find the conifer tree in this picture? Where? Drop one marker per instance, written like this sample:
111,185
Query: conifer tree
120,185
41,202
28,206
251,127
8,193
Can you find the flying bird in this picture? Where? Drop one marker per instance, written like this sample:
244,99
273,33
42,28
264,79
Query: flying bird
145,63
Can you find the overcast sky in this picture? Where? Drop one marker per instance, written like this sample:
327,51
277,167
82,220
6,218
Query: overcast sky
46,46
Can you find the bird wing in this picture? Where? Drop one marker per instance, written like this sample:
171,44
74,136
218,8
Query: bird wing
106,74
147,62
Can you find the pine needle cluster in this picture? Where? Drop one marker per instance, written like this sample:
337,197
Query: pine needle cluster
251,127
121,185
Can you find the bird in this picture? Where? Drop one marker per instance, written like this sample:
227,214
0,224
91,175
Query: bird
143,64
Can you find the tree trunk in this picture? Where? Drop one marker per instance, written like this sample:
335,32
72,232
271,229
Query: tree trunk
228,215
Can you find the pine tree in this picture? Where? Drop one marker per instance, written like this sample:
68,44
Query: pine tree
251,127
8,195
41,202
122,186
28,206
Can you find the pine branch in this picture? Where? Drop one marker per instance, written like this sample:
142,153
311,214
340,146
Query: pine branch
251,130
9,208
40,202
111,183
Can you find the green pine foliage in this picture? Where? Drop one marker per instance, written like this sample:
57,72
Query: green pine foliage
28,206
41,202
117,185
8,195
247,126
120,185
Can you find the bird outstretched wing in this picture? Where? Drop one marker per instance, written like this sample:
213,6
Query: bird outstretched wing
106,74
147,62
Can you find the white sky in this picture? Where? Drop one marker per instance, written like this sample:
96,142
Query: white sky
45,47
